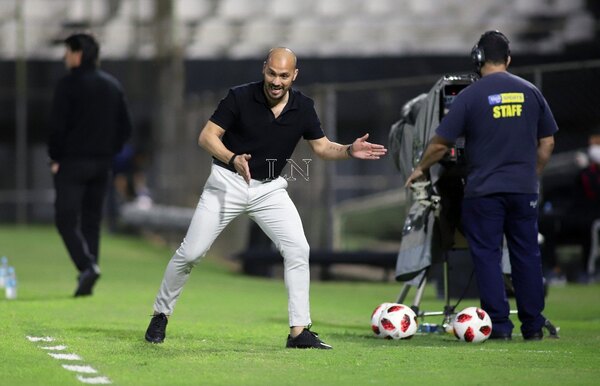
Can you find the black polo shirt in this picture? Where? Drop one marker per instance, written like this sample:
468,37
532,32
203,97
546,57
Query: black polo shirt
251,128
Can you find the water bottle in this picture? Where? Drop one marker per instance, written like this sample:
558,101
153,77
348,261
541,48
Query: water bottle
10,284
427,328
3,271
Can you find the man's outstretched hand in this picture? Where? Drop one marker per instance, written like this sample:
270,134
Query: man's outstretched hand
362,149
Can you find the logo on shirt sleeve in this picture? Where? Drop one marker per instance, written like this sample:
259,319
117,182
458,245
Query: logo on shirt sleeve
506,105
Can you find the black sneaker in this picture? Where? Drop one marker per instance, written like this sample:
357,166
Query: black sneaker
500,335
156,330
307,339
538,335
87,280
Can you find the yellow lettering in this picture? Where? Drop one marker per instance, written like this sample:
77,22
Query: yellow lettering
507,111
513,97
497,113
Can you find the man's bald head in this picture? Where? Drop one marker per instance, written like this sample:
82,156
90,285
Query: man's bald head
281,54
279,71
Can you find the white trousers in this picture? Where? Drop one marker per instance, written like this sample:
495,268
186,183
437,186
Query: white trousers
226,195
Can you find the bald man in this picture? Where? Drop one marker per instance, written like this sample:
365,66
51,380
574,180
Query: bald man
251,134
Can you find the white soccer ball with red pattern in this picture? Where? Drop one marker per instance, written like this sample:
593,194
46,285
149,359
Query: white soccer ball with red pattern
472,325
375,316
398,321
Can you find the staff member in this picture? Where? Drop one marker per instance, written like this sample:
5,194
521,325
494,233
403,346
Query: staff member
508,129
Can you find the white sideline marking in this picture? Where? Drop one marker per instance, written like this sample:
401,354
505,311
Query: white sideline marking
80,369
67,357
99,380
549,352
94,380
54,348
40,338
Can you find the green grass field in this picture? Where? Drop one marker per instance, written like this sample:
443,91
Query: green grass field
229,329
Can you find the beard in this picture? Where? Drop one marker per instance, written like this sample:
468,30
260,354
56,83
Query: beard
275,93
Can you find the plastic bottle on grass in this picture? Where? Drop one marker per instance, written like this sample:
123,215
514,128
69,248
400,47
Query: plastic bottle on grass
3,271
427,327
10,285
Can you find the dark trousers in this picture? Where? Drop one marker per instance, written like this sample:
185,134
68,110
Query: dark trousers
80,189
486,221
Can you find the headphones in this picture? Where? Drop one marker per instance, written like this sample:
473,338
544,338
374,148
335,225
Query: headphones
478,54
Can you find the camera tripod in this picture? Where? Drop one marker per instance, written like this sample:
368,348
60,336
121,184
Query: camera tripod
449,310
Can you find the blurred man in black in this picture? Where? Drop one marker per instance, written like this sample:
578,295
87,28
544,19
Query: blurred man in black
89,125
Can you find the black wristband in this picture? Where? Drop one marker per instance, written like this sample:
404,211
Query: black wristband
230,163
349,151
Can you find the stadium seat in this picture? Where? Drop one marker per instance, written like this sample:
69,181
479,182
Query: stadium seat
399,37
136,10
116,39
38,10
7,10
289,9
242,50
38,40
216,31
211,38
569,6
579,27
358,36
533,8
553,44
442,38
383,8
307,35
426,8
311,27
337,8
87,11
192,10
257,36
240,10
262,31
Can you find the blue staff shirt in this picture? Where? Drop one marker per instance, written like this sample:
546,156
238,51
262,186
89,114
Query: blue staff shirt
501,117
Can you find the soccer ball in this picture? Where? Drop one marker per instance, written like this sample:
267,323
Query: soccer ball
375,316
398,321
472,325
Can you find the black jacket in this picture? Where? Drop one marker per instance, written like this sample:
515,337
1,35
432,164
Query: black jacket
90,118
